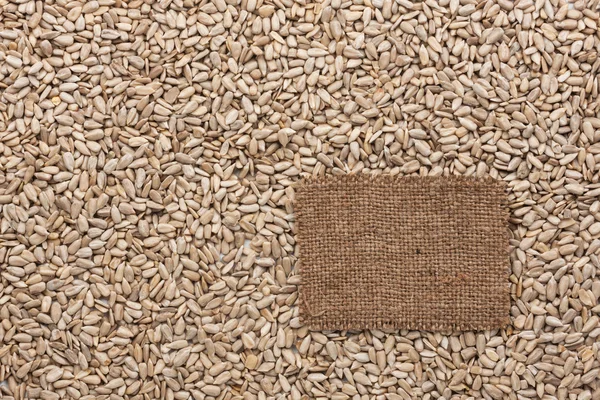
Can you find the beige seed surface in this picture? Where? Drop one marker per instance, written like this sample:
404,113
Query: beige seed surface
147,155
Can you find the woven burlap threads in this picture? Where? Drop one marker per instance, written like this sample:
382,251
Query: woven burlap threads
383,252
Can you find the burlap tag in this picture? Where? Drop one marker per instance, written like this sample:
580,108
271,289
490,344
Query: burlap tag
403,252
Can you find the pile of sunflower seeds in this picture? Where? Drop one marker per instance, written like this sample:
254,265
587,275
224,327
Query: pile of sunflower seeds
147,155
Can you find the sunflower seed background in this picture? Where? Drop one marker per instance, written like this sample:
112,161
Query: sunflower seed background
147,153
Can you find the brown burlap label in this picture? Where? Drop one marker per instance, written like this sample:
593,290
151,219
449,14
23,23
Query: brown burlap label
387,252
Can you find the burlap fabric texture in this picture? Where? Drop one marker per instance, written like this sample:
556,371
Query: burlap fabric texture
428,253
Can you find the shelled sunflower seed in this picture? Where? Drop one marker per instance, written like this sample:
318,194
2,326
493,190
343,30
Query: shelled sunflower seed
147,153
